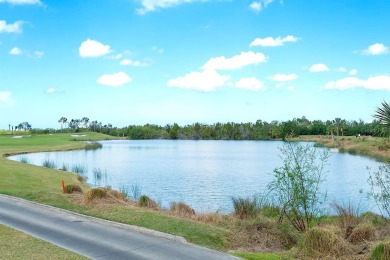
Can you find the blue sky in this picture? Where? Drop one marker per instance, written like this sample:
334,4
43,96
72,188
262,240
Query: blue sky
163,61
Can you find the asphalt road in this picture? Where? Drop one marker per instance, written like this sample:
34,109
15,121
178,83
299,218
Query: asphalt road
95,238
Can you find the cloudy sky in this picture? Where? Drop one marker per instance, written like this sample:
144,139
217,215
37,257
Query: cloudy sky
163,61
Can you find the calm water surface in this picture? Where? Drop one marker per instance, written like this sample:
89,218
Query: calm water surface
204,174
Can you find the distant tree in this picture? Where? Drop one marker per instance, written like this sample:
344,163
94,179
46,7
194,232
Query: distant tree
24,126
85,121
62,121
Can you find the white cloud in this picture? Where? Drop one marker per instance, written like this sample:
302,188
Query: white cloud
114,80
284,77
22,2
290,88
152,5
342,69
381,82
376,49
92,48
272,42
259,5
39,54
235,62
51,90
256,6
353,72
5,96
208,80
157,49
318,68
250,84
15,51
15,27
128,62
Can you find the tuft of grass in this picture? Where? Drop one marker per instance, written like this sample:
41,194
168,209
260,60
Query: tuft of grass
93,146
145,201
23,159
245,207
348,216
73,188
320,243
363,232
182,209
81,178
79,169
381,251
49,164
93,194
64,167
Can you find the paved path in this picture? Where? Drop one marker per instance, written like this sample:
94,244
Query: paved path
95,238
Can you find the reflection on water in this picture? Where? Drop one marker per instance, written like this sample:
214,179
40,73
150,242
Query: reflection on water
204,174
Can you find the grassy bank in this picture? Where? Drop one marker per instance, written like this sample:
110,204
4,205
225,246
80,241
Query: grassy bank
377,148
44,185
258,236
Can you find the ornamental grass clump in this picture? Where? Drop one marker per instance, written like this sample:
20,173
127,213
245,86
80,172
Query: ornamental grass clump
145,201
245,207
93,194
73,188
321,243
49,164
182,209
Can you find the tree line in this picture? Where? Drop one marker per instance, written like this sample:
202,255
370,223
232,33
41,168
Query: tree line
260,130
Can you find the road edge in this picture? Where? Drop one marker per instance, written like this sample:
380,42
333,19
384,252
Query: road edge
128,227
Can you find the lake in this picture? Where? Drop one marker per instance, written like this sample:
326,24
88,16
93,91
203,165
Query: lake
203,174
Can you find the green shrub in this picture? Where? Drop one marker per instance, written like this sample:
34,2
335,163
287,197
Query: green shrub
296,184
245,207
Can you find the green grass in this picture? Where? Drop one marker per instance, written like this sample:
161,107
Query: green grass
260,256
17,245
44,185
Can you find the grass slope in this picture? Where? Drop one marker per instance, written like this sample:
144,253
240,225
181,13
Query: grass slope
44,185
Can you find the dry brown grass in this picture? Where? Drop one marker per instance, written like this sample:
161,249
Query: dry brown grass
362,233
182,209
321,243
104,196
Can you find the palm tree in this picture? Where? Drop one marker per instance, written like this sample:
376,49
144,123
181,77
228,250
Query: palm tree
383,114
62,121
